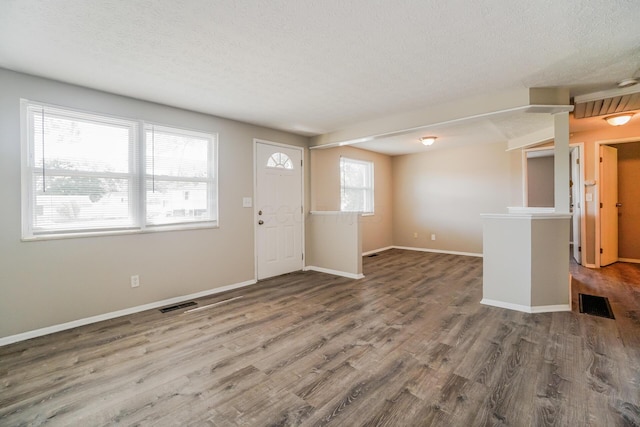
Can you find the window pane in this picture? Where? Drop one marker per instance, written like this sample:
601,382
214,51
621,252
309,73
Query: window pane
353,200
175,201
355,174
80,145
279,160
76,202
356,180
172,154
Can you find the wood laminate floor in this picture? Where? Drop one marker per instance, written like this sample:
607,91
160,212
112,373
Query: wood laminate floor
408,345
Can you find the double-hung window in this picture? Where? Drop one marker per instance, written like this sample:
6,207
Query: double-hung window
180,182
86,173
356,185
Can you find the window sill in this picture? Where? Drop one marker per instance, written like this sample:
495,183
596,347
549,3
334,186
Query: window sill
154,229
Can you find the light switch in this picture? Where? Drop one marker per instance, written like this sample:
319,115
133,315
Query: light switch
589,197
247,202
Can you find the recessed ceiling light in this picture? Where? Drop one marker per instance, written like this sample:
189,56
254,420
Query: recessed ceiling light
428,140
619,120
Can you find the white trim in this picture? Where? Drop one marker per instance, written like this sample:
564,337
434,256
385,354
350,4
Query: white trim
526,308
529,209
439,251
590,266
257,141
531,216
334,272
632,260
583,204
375,251
119,313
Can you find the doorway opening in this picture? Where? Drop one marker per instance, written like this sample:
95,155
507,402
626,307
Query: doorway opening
538,189
617,174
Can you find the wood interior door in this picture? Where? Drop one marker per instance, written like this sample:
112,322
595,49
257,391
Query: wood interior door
608,205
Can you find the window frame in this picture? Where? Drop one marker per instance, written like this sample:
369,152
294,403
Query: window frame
136,175
211,181
368,189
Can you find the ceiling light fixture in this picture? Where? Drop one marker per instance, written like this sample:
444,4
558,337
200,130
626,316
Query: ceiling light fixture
619,119
627,83
428,140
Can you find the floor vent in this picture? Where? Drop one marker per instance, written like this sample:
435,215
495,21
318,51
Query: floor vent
595,305
177,306
372,255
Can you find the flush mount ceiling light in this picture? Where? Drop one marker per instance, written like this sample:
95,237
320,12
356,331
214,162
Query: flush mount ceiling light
428,140
627,83
619,119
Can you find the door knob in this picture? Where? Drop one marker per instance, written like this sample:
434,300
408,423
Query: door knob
618,205
260,212
260,222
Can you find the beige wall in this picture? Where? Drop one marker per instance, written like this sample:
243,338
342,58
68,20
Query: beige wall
44,283
443,192
325,191
630,131
540,183
335,243
629,196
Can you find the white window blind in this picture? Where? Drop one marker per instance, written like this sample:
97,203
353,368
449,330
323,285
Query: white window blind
180,185
82,174
356,185
80,171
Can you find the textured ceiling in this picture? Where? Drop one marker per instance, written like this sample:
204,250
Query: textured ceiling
495,128
313,67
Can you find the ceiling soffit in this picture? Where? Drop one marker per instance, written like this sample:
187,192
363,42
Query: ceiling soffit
607,102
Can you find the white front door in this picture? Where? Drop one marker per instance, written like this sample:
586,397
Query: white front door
608,205
278,210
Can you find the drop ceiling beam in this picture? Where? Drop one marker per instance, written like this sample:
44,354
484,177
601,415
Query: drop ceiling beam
521,100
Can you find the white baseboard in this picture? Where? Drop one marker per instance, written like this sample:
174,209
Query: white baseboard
438,251
334,272
375,251
633,260
106,316
526,308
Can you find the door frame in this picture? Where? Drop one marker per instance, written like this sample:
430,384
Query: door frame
582,172
257,141
596,197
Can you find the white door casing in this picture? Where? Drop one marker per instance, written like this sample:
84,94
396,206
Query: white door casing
278,209
576,203
608,205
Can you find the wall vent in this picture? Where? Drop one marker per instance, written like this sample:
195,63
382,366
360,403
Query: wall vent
177,306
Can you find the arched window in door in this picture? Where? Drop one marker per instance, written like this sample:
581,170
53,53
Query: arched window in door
279,160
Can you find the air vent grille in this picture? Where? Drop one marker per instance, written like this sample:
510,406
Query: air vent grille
607,103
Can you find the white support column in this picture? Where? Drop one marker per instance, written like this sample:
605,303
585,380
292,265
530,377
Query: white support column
561,162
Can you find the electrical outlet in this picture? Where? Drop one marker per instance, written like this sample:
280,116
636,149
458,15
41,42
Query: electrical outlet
135,281
433,237
415,235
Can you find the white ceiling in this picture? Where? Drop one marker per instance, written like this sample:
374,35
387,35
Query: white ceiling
485,130
313,67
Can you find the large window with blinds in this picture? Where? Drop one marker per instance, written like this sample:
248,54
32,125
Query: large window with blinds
87,174
356,185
